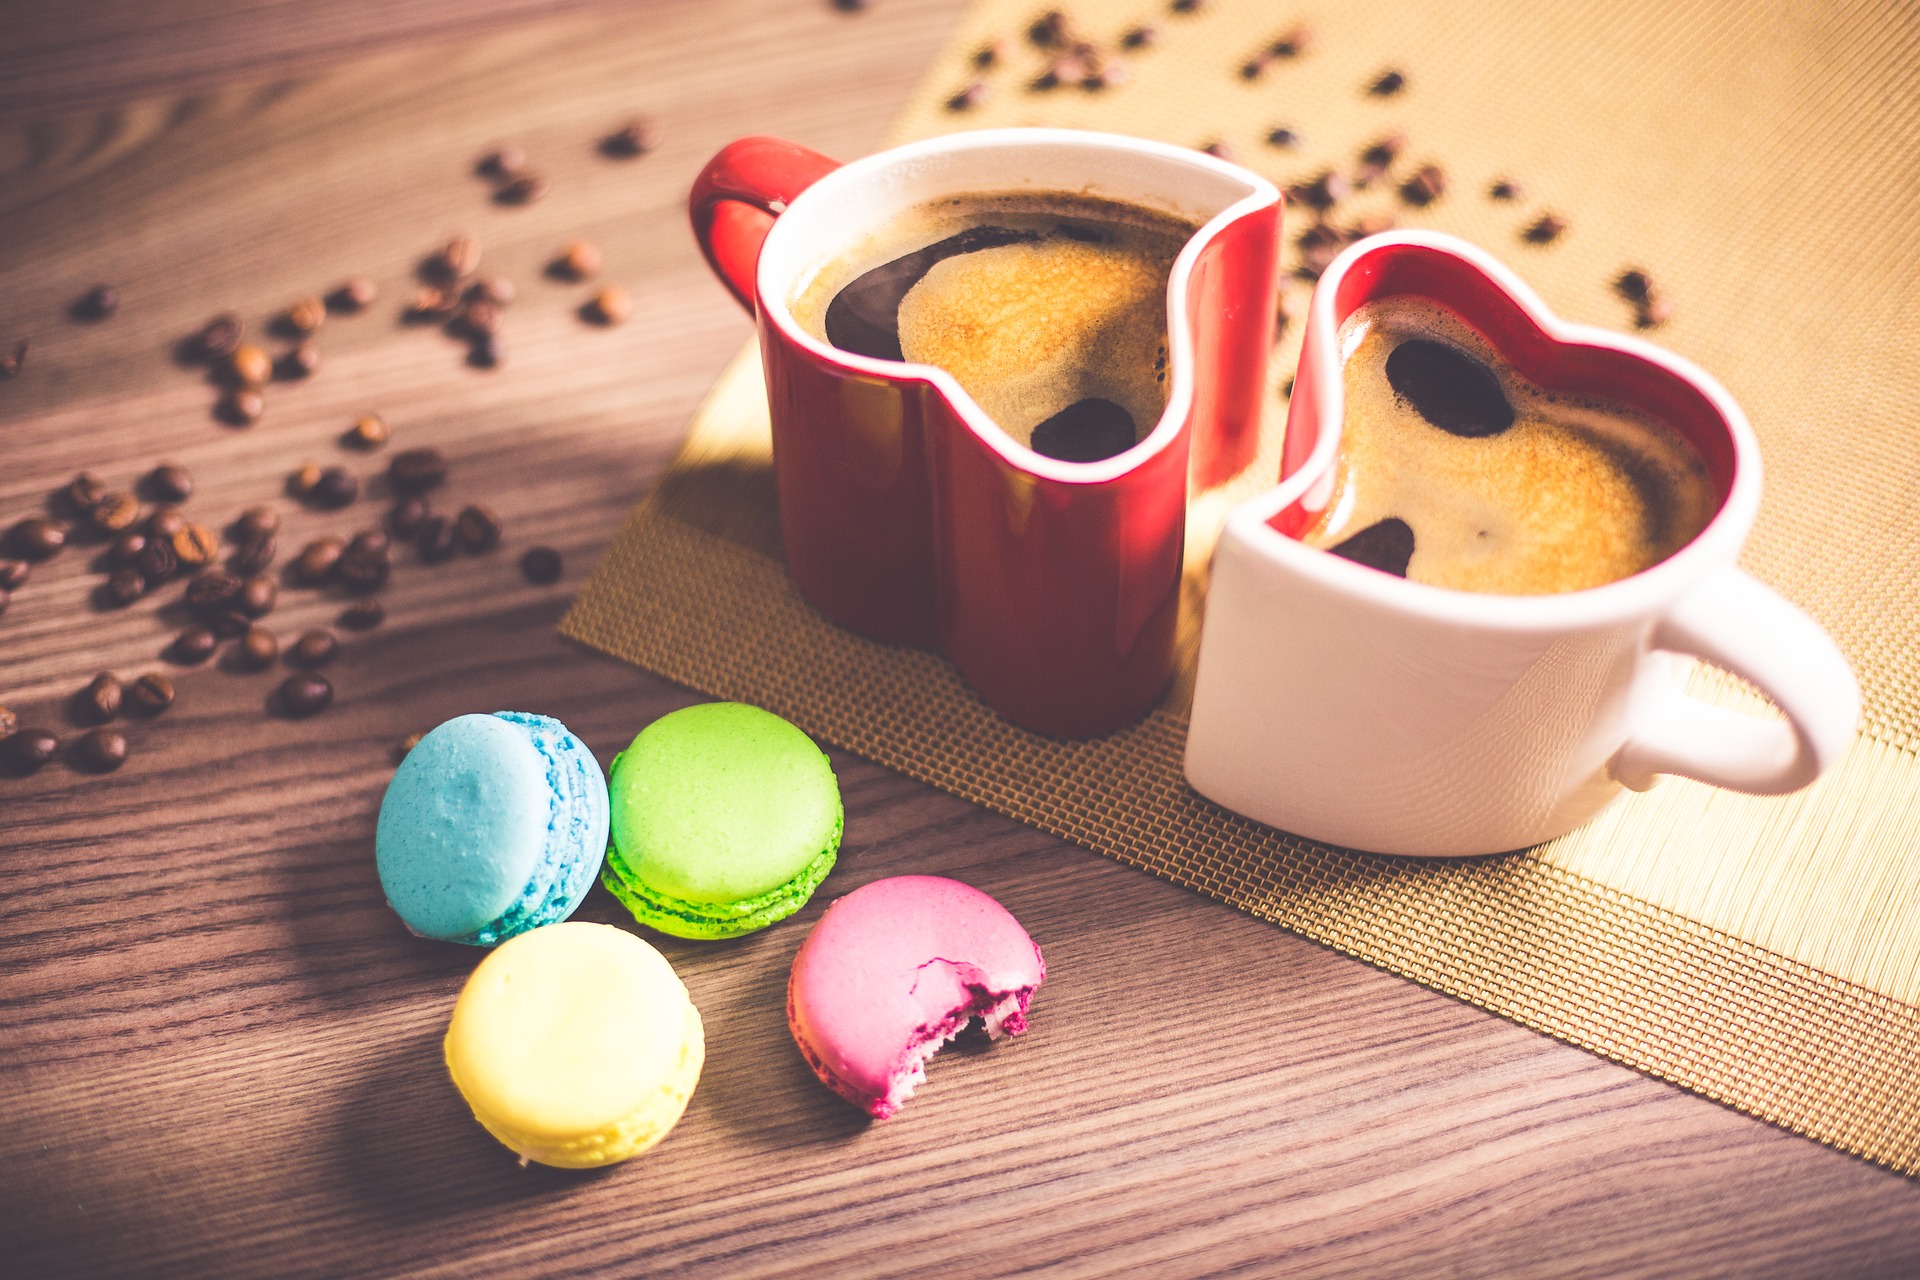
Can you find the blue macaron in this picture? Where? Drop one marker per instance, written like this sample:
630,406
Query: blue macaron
492,825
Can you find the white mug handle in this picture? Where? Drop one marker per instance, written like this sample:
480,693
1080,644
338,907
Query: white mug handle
1736,622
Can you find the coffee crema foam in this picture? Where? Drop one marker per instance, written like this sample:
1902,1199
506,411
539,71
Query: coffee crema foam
1434,482
1048,308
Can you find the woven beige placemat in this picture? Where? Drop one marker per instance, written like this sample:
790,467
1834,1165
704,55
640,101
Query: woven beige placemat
1760,160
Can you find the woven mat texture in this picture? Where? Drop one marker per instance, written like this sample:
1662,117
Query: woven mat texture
1761,160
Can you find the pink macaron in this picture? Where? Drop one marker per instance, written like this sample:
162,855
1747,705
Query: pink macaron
893,971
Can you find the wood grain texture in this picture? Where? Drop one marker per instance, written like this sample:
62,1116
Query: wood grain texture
219,1051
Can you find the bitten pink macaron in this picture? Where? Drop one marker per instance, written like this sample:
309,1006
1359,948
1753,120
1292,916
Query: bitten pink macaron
893,971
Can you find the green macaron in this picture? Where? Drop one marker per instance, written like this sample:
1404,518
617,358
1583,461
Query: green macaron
725,819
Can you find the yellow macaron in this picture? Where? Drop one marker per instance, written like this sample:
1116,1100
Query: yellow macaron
576,1045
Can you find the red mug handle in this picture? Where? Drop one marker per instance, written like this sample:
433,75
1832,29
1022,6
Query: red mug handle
735,199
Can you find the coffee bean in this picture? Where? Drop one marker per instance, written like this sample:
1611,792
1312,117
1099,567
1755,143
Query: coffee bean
1386,545
305,315
302,480
1293,44
256,522
1387,84
83,493
305,694
486,351
299,362
1252,67
193,646
1449,388
1187,6
612,305
125,551
433,303
220,338
97,303
363,615
496,290
1323,192
503,162
1428,183
1633,284
435,540
29,750
151,694
164,521
313,649
1378,158
156,561
370,542
365,568
212,590
249,366
580,260
1108,72
479,319
242,408
1049,30
408,515
318,560
634,138
101,751
9,723
99,702
124,586
336,487
195,545
11,362
459,259
416,470
37,538
355,293
1545,229
169,482
541,566
115,513
476,529
254,555
14,574
1283,138
257,596
1655,312
256,649
972,96
1504,189
1219,149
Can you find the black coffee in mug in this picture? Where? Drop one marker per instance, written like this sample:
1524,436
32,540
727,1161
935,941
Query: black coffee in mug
1049,309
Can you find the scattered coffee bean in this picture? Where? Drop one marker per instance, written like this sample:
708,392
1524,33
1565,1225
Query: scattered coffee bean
305,694
305,315
101,751
476,529
1108,72
1139,37
1428,183
364,567
256,649
196,545
1187,6
967,99
124,586
497,291
256,522
9,723
1546,229
258,595
355,293
302,361
990,54
228,622
254,555
1634,285
220,338
150,694
435,539
317,561
503,162
335,487
1655,312
313,649
1283,138
486,351
408,515
14,574
115,513
1504,189
1323,192
416,470
83,493
1049,30
212,590
156,562
370,542
1387,84
29,750
303,480
541,566
1293,44
193,646
580,260
406,745
479,319
1252,67
363,615
1377,159
525,189
612,305
169,482
99,702
1219,150
37,538
125,551
12,362
97,303
458,259
243,407
165,520
433,303
370,432
634,138
250,366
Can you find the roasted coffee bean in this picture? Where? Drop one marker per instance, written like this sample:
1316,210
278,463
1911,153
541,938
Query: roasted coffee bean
990,55
1633,284
486,351
1323,192
228,622
364,569
151,694
1386,545
125,551
580,260
541,566
1140,37
634,138
336,487
503,162
9,723
1219,149
169,482
305,315
1377,159
1504,189
115,513
416,470
1545,229
1187,6
435,539
37,538
355,293
164,521
1293,44
99,702
243,407
496,290
97,303
257,597
256,649
1655,312
370,542
305,694
156,561
101,751
221,337
479,320
249,365
256,522
313,649
318,560
433,303
1283,138
1049,30
29,750
408,515
525,189
1252,68
211,590
196,545
972,96
363,615
1428,183
83,493
193,646
124,586
11,362
302,480
14,574
1449,388
459,259
1387,84
476,529
300,362
612,305
254,556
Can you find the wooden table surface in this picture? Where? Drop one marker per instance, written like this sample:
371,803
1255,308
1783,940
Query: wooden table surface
219,1051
